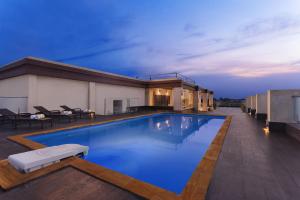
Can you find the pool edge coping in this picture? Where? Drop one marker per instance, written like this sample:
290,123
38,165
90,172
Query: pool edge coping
196,187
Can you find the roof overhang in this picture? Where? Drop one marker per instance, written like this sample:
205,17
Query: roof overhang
41,67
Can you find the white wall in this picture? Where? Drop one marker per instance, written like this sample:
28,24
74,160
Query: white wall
248,102
15,104
196,101
281,105
261,103
23,92
53,92
50,92
210,100
14,93
105,94
253,102
14,87
204,97
177,101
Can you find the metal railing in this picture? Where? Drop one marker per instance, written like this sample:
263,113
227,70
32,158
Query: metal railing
171,75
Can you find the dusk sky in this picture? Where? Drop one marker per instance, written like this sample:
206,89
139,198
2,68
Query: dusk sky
234,47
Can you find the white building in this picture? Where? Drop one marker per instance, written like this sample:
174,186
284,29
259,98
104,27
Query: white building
283,107
248,104
252,105
261,106
36,82
277,107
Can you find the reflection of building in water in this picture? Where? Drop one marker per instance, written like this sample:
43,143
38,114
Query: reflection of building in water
176,129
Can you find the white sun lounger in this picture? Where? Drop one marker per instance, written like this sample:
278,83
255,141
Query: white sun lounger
36,159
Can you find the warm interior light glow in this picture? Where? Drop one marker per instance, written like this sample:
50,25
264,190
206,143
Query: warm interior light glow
266,131
158,125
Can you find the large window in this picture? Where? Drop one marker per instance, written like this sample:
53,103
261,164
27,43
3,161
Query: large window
187,99
161,97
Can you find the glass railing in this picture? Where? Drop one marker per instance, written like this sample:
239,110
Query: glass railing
174,75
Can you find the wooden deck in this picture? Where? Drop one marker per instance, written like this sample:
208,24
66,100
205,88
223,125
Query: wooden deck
255,165
10,177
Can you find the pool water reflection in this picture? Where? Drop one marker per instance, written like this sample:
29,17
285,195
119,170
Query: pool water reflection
161,149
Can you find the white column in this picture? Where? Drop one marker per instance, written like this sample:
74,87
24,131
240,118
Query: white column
32,93
92,96
147,97
211,100
204,98
252,102
269,106
196,100
171,98
199,102
177,92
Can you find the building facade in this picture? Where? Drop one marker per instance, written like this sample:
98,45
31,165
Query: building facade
261,106
31,82
253,105
277,108
283,107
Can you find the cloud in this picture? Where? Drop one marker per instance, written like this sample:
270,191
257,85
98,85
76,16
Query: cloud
200,55
241,87
196,35
192,31
243,68
254,33
296,63
100,52
189,27
262,70
269,26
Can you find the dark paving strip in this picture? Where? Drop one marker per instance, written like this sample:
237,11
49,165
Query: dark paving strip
253,165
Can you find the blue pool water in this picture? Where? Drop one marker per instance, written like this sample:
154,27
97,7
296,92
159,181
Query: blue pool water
161,149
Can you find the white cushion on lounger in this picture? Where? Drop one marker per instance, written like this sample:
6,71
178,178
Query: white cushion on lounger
65,112
36,159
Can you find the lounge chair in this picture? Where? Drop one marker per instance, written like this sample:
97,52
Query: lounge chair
79,111
55,113
8,115
33,160
15,118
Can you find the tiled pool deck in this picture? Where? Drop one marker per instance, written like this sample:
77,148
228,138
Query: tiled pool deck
252,165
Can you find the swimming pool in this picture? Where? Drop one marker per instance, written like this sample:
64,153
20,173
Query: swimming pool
160,149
